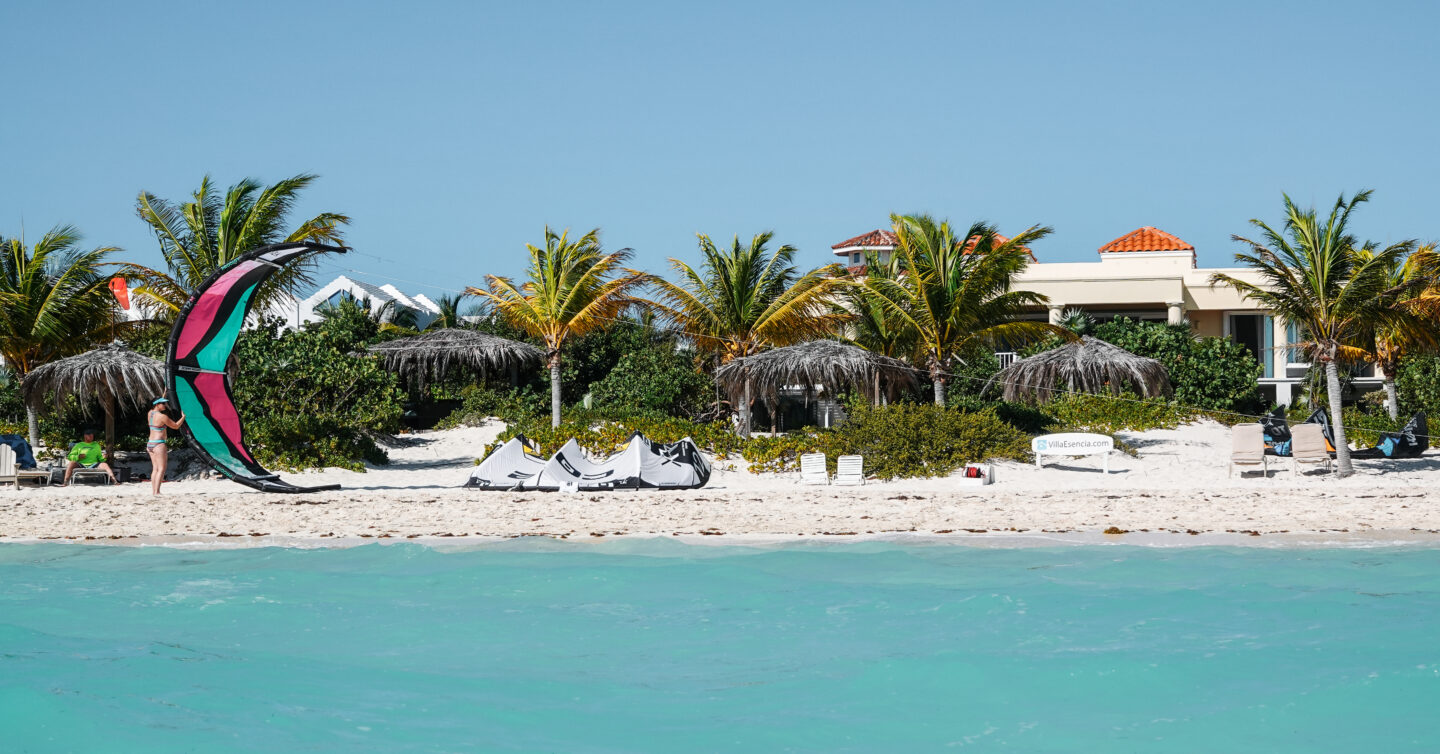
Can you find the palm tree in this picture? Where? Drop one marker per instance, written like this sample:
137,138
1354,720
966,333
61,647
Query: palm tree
874,326
1416,297
54,302
571,288
1312,276
746,299
206,233
449,316
955,291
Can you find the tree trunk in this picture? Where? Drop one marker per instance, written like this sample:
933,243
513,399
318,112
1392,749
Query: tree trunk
1392,401
110,431
1337,424
555,390
939,381
877,387
32,423
745,408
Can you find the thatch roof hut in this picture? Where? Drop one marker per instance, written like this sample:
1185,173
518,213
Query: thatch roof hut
1087,365
113,375
826,363
431,355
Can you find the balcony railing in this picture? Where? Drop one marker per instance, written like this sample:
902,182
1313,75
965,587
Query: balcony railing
1006,358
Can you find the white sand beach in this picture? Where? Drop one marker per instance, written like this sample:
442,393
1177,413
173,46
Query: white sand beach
1178,484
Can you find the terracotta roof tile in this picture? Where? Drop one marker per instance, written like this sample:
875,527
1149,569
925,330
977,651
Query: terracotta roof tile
872,239
1146,239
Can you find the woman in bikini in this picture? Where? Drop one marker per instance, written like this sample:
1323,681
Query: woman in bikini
159,454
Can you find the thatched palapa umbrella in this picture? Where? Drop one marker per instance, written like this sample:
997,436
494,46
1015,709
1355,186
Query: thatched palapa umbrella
827,363
1087,365
114,375
419,358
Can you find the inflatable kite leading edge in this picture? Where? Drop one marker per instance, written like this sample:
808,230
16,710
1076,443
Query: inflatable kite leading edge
200,346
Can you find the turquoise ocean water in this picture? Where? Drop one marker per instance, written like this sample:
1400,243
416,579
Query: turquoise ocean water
653,645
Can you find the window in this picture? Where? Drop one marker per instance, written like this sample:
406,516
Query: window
1254,331
855,258
339,296
1292,336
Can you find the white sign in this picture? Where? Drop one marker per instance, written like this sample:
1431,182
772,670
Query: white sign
1073,444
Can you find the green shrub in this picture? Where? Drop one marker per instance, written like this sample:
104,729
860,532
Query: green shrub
307,402
510,405
1107,415
602,436
902,440
655,379
1363,426
1418,386
1022,416
1208,373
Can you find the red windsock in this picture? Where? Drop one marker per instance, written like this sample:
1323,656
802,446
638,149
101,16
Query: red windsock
122,294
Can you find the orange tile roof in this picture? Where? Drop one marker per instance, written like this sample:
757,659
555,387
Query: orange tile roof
875,238
1147,239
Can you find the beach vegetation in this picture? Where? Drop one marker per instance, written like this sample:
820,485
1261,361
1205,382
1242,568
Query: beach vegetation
571,287
1312,277
1418,386
202,235
955,291
602,435
1205,372
898,441
656,380
308,401
747,298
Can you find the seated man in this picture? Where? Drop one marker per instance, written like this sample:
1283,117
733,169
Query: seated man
87,454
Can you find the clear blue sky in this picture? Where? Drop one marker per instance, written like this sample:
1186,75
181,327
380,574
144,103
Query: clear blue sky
453,132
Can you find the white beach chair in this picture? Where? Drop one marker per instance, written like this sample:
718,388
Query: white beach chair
850,470
812,469
1307,445
8,472
1247,448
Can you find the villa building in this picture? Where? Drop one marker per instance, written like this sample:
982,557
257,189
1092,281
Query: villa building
1148,274
297,312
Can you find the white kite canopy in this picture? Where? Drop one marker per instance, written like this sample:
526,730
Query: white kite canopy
641,465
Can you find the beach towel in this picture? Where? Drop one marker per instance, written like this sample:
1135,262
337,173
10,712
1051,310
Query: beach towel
24,458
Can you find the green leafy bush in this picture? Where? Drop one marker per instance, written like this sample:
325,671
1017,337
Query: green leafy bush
602,436
1107,415
1418,387
902,440
1208,373
510,405
654,380
307,402
1363,426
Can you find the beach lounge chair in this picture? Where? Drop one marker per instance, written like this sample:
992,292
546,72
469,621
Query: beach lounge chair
850,470
7,466
1247,447
812,469
1307,445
